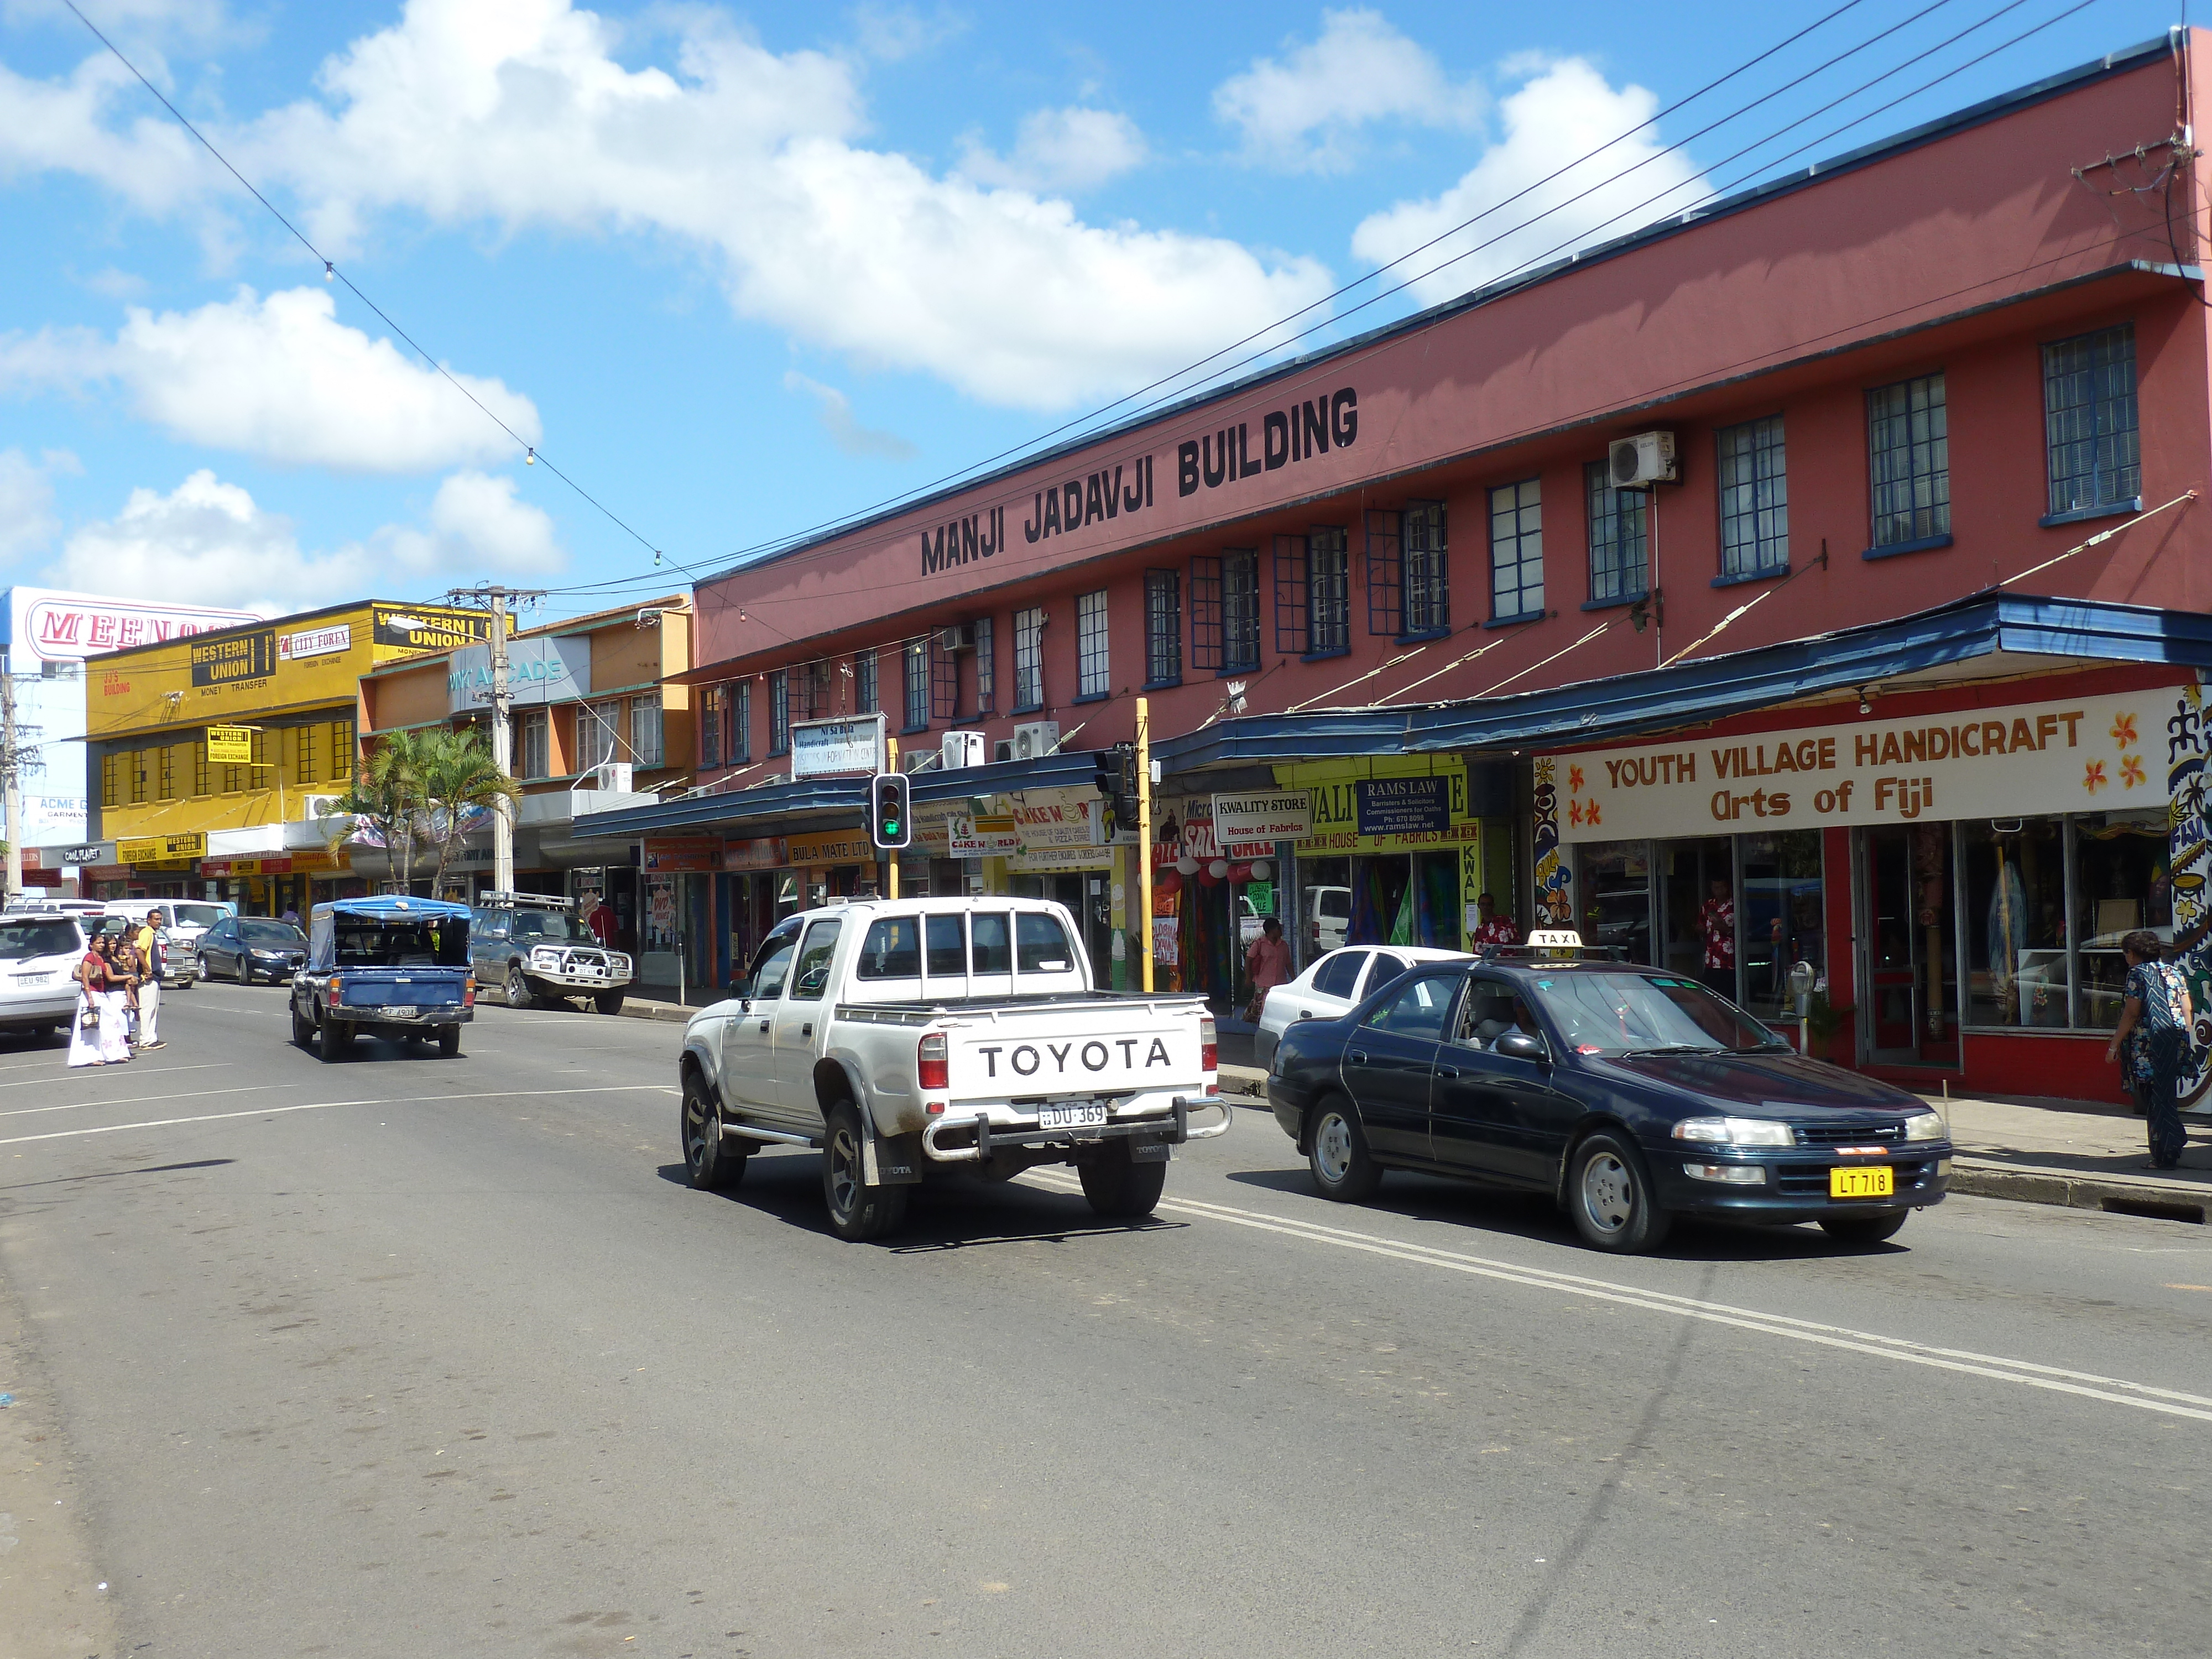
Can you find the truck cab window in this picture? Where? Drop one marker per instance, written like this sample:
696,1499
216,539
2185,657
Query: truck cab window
774,968
891,950
993,953
948,944
810,978
1041,944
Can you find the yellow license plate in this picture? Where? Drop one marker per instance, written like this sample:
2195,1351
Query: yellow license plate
1873,1181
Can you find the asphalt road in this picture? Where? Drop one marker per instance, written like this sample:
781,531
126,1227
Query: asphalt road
409,1355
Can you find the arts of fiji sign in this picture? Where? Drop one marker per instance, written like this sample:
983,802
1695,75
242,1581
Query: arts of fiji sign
2090,754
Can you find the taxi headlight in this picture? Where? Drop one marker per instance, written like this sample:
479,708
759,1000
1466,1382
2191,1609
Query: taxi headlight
1735,1132
1927,1126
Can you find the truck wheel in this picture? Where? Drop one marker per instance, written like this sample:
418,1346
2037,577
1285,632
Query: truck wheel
1118,1187
518,988
334,1039
449,1041
1337,1153
608,1002
303,1034
713,1164
858,1212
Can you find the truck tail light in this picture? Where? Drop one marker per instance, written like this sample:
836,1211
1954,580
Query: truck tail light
1209,1045
933,1064
468,993
337,992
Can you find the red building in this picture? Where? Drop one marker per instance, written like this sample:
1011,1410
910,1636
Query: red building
1879,407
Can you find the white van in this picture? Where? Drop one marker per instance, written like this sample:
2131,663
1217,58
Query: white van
1328,918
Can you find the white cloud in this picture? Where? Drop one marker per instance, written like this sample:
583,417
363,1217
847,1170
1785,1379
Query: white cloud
1567,110
845,430
280,379
1304,111
1068,149
516,112
889,33
27,523
209,542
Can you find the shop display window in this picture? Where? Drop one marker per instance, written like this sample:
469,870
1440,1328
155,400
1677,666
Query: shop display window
1782,919
2121,882
2016,922
1614,884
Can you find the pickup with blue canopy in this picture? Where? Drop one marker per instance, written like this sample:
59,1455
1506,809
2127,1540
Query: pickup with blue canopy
387,966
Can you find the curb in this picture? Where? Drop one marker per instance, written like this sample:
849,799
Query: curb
2158,1200
663,1010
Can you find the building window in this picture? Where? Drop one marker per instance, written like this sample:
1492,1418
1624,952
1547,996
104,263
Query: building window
1092,676
645,730
1516,550
1029,660
739,748
536,756
598,734
1754,498
1240,610
1618,551
914,657
203,774
1163,628
1426,572
111,780
1909,459
1205,630
944,674
2089,418
714,709
345,745
166,777
987,668
779,711
305,766
867,692
137,759
1328,591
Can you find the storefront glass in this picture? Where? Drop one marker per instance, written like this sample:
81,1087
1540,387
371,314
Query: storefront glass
1613,885
2121,882
1781,916
2016,922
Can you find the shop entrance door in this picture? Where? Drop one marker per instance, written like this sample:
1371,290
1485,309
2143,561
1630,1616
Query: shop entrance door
1696,874
1906,941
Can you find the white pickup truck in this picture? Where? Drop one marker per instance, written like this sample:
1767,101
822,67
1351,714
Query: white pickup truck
903,1037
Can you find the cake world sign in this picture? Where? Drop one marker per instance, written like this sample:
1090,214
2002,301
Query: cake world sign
2093,754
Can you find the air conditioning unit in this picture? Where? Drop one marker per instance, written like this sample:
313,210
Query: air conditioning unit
1035,739
320,806
921,760
961,636
1646,459
616,776
1002,749
962,749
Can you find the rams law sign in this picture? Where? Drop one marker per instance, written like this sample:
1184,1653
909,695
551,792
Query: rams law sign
538,671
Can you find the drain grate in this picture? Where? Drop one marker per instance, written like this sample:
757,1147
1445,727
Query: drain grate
2155,1209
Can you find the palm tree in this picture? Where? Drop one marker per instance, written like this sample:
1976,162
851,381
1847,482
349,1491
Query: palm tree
387,795
459,778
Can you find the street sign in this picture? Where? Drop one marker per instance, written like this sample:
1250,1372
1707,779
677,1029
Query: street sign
825,748
230,745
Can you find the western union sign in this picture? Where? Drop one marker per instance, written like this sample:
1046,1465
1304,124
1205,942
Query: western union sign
230,745
185,845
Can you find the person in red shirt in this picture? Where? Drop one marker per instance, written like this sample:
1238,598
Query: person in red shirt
1491,929
1716,922
601,921
1267,964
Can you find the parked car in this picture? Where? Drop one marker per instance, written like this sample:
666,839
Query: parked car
1629,1095
944,1034
1333,984
537,950
1327,917
389,966
40,951
189,919
250,948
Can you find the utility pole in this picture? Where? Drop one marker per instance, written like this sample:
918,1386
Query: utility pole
1144,841
11,771
502,737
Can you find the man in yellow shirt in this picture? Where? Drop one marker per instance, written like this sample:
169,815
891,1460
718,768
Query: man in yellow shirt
152,954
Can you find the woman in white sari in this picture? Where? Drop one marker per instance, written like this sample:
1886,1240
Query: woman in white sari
115,1003
84,1039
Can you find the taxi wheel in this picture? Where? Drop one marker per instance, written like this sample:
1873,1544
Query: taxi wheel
1609,1194
713,1164
1864,1229
1337,1153
858,1212
1117,1186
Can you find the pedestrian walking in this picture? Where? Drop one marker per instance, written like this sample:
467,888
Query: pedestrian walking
1267,964
91,976
1717,921
2154,1036
1490,927
153,948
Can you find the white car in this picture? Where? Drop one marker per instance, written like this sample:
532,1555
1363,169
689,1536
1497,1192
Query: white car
1341,980
1327,917
38,953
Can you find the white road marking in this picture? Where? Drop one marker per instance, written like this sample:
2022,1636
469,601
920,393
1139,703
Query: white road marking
32,1082
324,1105
2111,1389
146,1100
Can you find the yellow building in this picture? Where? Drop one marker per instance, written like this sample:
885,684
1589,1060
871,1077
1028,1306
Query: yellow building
171,815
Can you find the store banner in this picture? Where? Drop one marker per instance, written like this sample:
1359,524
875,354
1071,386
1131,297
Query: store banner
1278,815
232,658
1060,836
315,642
159,849
1403,806
822,749
834,846
761,853
540,670
975,835
2089,754
676,854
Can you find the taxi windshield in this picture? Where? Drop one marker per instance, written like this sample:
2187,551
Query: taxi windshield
1629,1014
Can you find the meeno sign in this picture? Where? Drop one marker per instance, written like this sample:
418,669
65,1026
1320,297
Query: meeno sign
51,626
825,748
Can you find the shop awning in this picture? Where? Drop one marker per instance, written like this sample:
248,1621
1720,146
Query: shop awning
1986,635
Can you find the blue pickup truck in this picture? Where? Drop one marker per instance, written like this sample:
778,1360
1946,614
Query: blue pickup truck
387,966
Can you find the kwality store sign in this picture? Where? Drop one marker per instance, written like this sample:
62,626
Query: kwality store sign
49,625
2091,754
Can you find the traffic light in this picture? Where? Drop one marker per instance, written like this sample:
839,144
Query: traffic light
890,822
1117,782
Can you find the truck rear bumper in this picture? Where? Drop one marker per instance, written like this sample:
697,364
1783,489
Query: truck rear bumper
974,1138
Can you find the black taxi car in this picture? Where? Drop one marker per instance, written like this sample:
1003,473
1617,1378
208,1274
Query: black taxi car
1630,1094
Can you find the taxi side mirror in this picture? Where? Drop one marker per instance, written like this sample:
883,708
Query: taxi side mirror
1519,1045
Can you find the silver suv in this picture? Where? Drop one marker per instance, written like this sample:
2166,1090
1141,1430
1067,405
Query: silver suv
532,948
40,951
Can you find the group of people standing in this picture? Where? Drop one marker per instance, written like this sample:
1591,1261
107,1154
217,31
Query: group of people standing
120,977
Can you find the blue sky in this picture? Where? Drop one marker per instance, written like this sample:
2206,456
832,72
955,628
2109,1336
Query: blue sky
738,270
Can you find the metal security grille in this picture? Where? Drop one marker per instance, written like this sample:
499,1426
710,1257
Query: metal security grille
1240,610
866,693
987,668
1328,591
1293,614
1516,550
1029,660
1093,676
913,659
1754,498
1206,645
1162,626
2089,417
1386,602
1909,459
779,711
1619,553
1425,569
